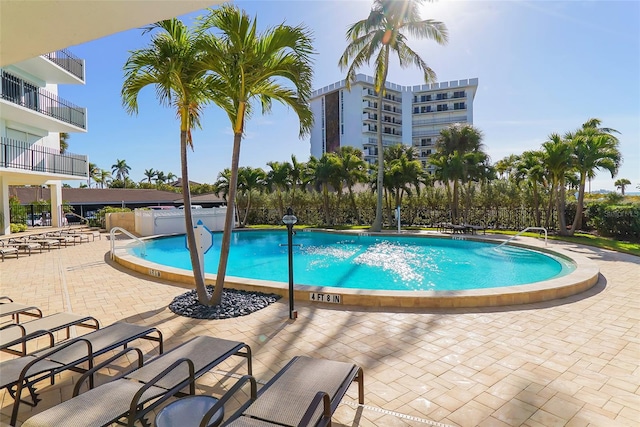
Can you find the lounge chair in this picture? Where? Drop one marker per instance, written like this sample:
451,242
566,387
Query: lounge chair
306,392
19,333
5,250
155,382
45,242
24,245
25,372
15,309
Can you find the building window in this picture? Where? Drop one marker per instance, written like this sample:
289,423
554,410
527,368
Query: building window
416,110
459,94
458,106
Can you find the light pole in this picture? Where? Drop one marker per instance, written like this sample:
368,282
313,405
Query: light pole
289,219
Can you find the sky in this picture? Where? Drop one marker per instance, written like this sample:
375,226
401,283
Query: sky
543,67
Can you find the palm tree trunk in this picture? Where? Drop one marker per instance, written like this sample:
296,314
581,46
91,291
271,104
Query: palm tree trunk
377,222
455,202
201,289
216,298
577,220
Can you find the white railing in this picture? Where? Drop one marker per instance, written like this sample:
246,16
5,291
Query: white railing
112,237
524,231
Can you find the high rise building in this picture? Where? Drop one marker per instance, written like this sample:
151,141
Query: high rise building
411,115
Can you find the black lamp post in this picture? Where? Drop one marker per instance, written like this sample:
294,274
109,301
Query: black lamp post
289,219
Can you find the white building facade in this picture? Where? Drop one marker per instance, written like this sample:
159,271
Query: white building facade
32,116
411,115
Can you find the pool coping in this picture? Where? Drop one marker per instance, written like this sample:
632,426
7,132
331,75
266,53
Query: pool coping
581,279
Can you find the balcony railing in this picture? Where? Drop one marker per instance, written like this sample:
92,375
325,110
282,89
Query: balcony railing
25,94
21,155
67,61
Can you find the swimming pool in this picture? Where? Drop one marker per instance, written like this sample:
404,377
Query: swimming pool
584,277
348,261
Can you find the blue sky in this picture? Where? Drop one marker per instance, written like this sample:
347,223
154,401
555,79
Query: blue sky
543,67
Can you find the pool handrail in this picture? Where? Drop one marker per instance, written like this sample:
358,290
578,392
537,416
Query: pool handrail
524,231
112,234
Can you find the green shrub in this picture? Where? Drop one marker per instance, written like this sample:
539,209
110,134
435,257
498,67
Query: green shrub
17,228
622,222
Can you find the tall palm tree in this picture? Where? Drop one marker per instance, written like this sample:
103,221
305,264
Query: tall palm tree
622,183
381,33
171,177
558,161
246,66
594,148
171,63
121,169
150,174
279,179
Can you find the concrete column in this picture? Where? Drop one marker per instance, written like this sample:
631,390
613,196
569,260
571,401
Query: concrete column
55,189
5,219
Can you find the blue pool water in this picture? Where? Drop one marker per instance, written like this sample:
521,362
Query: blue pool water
368,262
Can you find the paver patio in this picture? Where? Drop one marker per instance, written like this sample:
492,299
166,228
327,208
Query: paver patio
571,362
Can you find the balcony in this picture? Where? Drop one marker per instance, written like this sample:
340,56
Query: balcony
23,156
20,93
67,61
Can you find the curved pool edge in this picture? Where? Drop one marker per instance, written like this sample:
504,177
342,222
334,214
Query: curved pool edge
584,277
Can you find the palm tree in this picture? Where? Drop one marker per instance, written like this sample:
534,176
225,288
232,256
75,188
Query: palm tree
402,174
250,180
121,169
150,174
558,161
622,183
172,65
381,33
353,170
246,66
161,178
104,177
594,148
94,173
171,177
222,185
64,142
530,167
296,173
321,172
459,158
279,178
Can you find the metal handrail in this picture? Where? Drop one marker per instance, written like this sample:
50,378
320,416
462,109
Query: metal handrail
525,230
112,235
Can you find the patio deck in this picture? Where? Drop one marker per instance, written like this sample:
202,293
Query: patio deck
573,362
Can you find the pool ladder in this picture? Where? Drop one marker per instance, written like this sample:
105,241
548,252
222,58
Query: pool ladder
524,231
112,238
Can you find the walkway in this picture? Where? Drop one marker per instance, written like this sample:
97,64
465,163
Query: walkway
573,362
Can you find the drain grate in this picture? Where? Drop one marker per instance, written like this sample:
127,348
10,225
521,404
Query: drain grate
397,414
